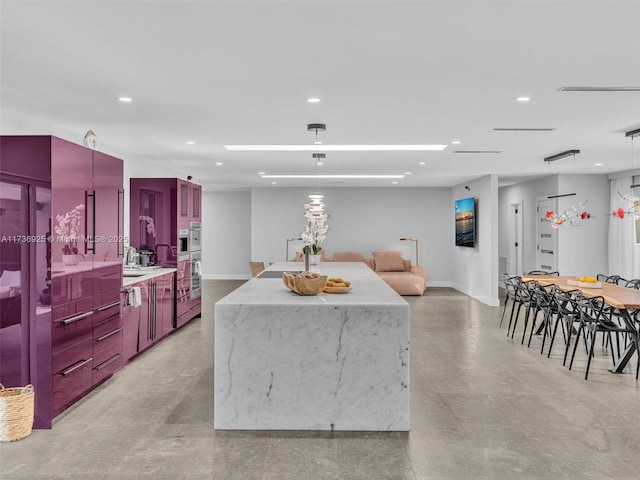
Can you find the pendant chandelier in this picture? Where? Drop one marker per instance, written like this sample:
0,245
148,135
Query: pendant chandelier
316,204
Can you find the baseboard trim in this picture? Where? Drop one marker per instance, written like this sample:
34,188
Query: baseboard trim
492,302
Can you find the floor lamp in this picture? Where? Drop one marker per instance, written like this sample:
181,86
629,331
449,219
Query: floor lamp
415,240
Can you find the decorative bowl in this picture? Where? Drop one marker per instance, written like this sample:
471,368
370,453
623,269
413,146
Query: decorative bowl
589,285
304,286
336,289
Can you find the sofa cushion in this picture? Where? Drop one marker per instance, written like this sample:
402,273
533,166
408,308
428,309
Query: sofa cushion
390,261
348,257
404,283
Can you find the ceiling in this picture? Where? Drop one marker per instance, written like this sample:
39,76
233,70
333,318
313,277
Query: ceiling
415,72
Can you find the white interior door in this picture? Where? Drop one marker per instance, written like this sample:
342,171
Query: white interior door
546,236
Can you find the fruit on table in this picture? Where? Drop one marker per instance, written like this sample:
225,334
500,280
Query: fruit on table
309,275
338,282
588,280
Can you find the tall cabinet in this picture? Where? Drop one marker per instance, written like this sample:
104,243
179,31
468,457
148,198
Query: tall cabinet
61,269
173,207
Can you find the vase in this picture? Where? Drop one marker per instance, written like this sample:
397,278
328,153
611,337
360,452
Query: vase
314,259
71,259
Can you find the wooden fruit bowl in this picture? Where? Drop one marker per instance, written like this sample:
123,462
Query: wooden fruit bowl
304,286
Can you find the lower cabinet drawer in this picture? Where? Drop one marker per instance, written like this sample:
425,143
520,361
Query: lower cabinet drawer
110,345
106,368
72,374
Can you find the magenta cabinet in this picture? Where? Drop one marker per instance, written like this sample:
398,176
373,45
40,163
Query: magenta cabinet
70,202
147,327
72,374
131,327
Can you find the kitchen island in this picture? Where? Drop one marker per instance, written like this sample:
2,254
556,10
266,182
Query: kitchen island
324,362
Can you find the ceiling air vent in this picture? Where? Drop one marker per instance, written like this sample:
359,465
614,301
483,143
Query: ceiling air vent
524,129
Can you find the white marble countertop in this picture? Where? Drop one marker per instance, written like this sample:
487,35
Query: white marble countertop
366,289
147,275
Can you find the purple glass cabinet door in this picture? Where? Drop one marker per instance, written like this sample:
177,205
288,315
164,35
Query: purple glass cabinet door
73,207
109,201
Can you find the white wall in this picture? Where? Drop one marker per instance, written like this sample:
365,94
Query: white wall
474,271
226,234
361,220
526,193
583,250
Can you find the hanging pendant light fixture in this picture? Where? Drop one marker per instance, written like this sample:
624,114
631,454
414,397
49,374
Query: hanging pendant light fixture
315,198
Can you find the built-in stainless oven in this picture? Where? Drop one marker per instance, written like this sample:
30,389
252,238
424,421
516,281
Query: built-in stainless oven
183,244
194,236
196,274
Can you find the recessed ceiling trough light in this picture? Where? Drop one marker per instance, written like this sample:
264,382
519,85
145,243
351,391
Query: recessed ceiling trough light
599,89
313,100
333,148
332,176
524,129
522,99
125,99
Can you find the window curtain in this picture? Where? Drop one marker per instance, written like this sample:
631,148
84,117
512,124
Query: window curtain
623,254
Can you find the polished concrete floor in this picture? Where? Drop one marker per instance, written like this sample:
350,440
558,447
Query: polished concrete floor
482,407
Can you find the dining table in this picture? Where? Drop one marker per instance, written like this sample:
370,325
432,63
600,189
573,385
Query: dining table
624,300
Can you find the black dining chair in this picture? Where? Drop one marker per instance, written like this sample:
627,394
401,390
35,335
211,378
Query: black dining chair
566,316
635,283
543,273
510,285
543,299
594,320
525,298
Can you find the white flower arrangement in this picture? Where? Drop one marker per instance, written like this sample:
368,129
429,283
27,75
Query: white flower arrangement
151,227
67,229
316,229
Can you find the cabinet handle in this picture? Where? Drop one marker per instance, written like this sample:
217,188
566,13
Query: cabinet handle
82,363
120,218
77,318
107,335
86,226
107,307
111,360
107,320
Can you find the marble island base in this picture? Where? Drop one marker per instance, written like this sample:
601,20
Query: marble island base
326,362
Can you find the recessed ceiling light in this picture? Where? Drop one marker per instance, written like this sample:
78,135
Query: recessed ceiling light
333,148
395,183
317,142
261,173
190,142
422,163
313,100
407,173
598,164
274,183
522,99
456,142
332,176
125,99
219,163
319,163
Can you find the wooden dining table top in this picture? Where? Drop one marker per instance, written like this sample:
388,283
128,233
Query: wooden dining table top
614,295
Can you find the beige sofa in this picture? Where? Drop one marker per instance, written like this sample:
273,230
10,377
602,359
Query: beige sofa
393,269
